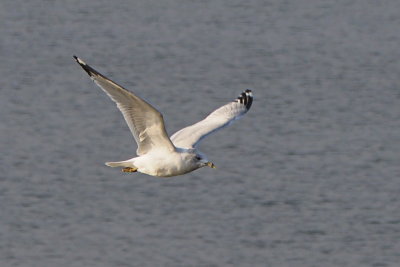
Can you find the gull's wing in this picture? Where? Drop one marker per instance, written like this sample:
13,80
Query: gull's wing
145,122
190,136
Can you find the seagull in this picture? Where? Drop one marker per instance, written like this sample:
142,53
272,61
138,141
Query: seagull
159,155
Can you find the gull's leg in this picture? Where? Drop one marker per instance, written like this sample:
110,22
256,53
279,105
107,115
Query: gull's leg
129,169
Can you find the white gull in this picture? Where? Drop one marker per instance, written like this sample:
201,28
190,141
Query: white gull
159,155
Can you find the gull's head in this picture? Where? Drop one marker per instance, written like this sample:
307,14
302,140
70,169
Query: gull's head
202,161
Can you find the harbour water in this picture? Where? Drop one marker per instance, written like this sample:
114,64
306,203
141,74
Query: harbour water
309,177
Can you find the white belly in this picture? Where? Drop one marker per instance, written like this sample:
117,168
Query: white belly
165,165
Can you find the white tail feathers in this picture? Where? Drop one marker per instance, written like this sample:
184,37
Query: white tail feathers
125,163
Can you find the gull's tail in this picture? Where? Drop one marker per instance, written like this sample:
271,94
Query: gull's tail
126,163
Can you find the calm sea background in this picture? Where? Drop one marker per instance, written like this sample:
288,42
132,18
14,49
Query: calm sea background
309,177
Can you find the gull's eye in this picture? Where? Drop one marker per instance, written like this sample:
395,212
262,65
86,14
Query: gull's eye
198,157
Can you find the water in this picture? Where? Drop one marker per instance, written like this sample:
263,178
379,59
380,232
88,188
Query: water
310,177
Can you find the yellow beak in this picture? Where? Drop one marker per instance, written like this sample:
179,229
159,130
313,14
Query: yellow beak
211,165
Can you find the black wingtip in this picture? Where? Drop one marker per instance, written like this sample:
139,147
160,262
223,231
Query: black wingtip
79,61
89,70
246,98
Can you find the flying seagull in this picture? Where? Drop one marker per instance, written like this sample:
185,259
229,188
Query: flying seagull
159,155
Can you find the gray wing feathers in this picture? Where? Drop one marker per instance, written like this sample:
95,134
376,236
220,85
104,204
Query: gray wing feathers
145,122
191,136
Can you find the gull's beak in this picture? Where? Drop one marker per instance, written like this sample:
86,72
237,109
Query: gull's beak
211,165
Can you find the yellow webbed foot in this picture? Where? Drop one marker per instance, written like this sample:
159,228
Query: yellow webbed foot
129,169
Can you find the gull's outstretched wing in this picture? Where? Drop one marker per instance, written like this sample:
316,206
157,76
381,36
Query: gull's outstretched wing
190,136
145,122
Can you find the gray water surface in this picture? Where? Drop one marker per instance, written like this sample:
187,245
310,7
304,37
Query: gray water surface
309,177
